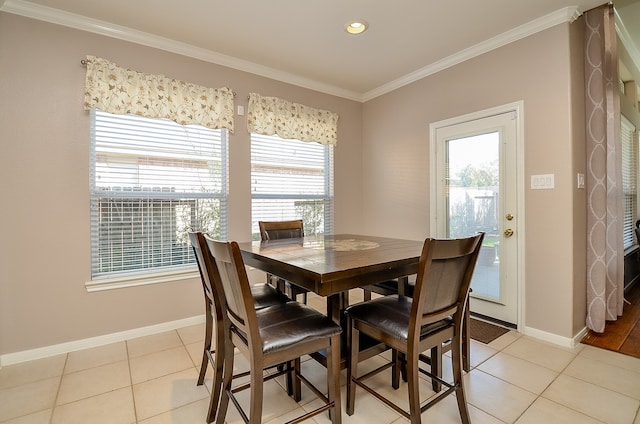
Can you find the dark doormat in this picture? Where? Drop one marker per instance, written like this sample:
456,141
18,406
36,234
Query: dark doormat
485,332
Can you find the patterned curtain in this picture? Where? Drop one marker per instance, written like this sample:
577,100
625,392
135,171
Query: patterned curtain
113,89
271,115
605,257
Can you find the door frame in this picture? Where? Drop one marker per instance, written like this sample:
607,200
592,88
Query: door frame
517,108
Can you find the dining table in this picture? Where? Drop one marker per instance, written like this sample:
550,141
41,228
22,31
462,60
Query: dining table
331,265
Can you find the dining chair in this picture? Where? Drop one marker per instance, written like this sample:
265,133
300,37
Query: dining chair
278,230
270,336
263,296
406,288
411,326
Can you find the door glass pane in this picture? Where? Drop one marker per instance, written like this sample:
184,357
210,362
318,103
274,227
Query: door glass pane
473,196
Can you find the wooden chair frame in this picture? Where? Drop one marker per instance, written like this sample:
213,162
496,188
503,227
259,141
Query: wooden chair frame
277,230
215,318
429,326
242,330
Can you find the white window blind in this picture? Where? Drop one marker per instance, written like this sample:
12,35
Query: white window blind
151,181
629,181
291,179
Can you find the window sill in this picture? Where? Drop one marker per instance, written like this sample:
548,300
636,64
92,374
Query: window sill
141,279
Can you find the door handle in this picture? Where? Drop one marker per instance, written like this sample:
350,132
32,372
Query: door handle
508,232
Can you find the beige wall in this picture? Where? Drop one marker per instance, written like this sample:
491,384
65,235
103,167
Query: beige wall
44,175
539,71
382,175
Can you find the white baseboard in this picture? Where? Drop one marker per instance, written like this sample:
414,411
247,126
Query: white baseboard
554,338
44,352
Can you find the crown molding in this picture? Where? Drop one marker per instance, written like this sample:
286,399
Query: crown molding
568,14
44,13
72,20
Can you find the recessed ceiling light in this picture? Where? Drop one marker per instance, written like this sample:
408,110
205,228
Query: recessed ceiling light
357,27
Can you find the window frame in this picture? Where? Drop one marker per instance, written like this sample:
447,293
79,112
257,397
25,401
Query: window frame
629,141
163,273
327,197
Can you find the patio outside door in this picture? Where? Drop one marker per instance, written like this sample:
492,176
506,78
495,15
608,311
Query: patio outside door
476,190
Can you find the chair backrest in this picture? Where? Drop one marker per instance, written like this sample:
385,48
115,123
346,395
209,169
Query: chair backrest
275,230
214,300
443,281
236,287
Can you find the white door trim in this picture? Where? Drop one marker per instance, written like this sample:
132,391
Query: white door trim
518,109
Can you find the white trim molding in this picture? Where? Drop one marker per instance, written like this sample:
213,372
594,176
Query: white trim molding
63,348
48,14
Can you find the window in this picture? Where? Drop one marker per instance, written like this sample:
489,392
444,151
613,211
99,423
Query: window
629,181
291,179
151,181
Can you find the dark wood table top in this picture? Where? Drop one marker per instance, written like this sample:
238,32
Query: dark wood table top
331,264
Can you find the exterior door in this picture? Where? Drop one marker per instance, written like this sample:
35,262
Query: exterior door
475,188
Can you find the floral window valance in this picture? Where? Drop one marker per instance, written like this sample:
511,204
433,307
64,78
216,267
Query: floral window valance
113,89
271,115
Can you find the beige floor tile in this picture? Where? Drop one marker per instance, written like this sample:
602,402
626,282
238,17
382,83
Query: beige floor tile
594,401
548,412
524,374
608,376
368,410
193,413
195,351
163,394
41,417
276,403
27,372
93,381
446,412
619,360
154,343
114,407
159,363
505,340
496,397
480,352
28,398
192,334
97,356
540,353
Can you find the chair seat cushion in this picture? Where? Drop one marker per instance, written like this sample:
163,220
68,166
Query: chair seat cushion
287,324
391,314
264,295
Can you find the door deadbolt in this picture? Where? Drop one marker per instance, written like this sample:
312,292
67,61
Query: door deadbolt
509,217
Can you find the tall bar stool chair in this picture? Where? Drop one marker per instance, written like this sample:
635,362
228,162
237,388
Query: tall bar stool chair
277,230
411,326
263,296
270,336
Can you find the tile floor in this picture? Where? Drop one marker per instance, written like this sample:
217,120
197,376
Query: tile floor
152,380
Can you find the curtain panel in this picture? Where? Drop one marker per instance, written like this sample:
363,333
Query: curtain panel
605,252
116,90
271,115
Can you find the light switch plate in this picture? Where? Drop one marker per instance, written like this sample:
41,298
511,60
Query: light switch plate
542,181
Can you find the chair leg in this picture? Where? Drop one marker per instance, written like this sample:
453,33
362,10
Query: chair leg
436,367
367,294
257,392
466,338
208,331
218,378
353,339
413,387
295,381
226,383
456,358
395,369
333,375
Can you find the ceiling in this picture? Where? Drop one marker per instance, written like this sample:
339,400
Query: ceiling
304,42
